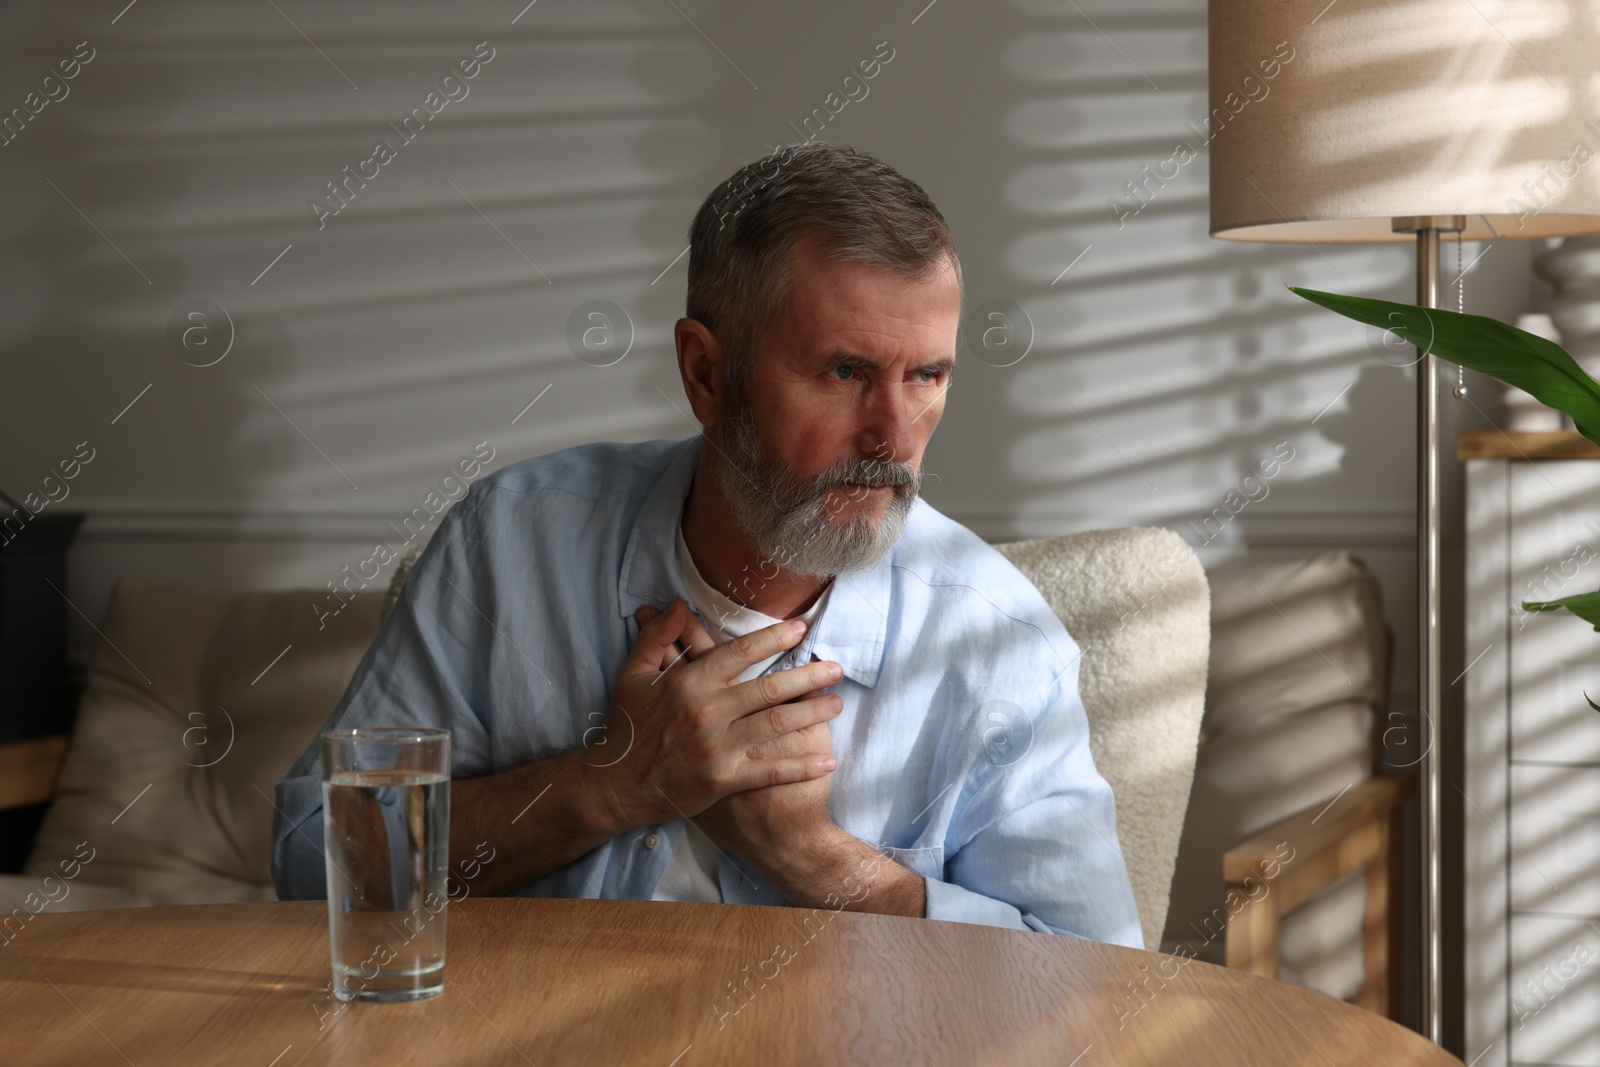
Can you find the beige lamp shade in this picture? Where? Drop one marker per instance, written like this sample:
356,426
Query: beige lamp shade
1327,126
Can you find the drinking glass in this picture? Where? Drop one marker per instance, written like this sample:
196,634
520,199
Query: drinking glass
386,827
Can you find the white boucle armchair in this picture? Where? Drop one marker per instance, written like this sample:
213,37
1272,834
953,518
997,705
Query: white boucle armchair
1137,603
1287,866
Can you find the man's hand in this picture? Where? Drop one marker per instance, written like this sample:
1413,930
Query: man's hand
783,831
770,827
690,730
765,825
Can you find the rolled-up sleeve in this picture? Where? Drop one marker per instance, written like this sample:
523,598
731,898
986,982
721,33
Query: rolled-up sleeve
424,668
1033,843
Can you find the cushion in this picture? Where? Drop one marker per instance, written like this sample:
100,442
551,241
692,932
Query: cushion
23,896
1287,637
1299,667
197,702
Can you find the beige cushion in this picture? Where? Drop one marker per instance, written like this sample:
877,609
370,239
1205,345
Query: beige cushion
184,697
1288,637
23,896
1298,667
1136,602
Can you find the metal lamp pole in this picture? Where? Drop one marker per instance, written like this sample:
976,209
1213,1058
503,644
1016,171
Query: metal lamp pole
1428,228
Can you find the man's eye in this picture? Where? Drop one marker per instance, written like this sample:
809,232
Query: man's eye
848,370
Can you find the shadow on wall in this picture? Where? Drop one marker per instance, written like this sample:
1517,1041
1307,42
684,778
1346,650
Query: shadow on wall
375,345
1166,364
350,361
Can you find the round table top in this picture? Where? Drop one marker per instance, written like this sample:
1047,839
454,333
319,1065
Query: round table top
665,985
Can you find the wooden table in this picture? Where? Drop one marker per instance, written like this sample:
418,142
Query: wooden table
629,982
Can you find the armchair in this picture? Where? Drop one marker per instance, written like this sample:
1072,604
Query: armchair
1136,602
1288,786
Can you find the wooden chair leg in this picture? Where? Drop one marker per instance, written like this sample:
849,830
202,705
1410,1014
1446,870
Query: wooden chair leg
1375,942
1391,1006
1252,938
1325,844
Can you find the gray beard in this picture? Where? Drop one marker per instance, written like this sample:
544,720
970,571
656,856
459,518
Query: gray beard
784,516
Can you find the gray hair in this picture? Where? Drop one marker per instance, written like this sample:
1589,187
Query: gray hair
741,238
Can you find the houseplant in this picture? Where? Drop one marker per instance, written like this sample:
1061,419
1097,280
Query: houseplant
1516,357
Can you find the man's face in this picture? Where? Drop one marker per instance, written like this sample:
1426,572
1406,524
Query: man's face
822,454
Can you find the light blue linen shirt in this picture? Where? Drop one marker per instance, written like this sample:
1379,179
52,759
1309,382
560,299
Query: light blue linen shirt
963,747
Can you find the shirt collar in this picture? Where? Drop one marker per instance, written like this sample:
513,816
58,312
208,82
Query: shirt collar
852,629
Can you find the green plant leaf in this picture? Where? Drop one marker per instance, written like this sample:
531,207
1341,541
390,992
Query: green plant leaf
1513,355
1592,704
1527,361
1585,606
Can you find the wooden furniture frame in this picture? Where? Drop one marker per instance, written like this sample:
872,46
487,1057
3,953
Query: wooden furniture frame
29,770
1359,829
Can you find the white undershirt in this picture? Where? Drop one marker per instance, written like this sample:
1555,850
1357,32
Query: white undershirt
691,873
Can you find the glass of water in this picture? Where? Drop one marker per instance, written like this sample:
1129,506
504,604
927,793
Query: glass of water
386,827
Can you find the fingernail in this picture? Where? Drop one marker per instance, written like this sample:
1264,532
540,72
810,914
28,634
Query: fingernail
829,763
798,626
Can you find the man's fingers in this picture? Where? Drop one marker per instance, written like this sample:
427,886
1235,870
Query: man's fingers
728,660
658,635
694,637
778,686
782,720
699,640
757,774
647,614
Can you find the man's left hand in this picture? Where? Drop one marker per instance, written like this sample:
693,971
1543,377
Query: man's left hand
775,828
784,833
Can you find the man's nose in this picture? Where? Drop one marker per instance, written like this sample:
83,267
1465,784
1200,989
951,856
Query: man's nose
892,432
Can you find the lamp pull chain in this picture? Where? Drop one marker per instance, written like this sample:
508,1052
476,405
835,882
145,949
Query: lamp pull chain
1460,391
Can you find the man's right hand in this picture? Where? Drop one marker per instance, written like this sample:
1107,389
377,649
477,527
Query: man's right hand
694,728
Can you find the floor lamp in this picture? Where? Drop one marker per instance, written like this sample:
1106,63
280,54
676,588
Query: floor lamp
1372,120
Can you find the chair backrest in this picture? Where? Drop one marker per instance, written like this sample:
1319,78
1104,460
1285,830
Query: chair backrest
197,701
1137,602
1294,709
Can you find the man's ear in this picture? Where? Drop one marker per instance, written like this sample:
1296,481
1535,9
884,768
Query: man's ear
700,365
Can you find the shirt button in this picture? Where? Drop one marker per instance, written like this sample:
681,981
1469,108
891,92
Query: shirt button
651,841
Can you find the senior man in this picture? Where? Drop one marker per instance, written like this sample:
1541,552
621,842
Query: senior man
754,666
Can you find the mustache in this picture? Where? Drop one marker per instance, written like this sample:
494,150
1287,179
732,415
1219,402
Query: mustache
787,493
902,477
866,472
